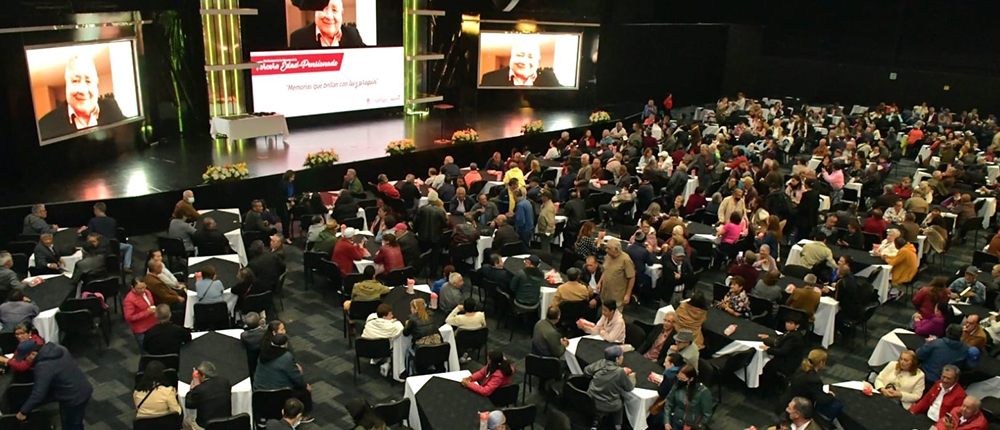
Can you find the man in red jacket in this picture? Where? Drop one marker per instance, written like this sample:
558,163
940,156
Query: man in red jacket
140,310
346,252
965,417
944,396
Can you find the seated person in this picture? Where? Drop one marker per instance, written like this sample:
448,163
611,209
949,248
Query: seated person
451,292
180,229
211,396
19,362
163,293
209,287
659,339
17,309
47,259
902,380
736,302
495,374
968,416
253,220
348,250
546,340
611,326
165,337
367,290
933,326
382,324
209,240
572,290
785,349
495,272
436,286
944,395
277,369
806,297
976,293
154,395
942,352
527,284
465,316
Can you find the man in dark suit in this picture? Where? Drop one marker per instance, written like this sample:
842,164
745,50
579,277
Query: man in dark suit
522,71
165,337
265,265
254,221
678,277
47,260
254,331
209,240
504,234
107,226
90,268
786,350
461,203
82,108
328,31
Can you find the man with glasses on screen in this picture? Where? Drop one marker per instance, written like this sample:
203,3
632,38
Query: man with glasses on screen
523,71
83,107
328,30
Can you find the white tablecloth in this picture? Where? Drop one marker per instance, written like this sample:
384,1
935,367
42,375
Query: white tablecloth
984,388
235,237
814,162
45,321
992,172
400,344
483,243
637,401
242,391
756,366
547,294
690,188
856,186
888,348
192,296
69,260
249,126
489,185
826,318
920,175
987,211
925,152
824,203
882,282
415,383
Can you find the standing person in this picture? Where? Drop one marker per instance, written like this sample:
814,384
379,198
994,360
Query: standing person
57,377
619,275
139,310
524,218
689,403
286,194
211,396
609,384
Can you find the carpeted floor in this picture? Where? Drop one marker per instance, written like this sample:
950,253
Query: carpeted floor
313,318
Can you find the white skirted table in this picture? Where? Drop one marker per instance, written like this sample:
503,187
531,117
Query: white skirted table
637,401
242,391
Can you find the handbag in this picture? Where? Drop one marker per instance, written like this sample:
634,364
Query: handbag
697,422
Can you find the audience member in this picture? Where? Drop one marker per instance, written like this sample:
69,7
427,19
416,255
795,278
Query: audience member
938,353
59,378
495,374
659,339
451,296
527,283
291,416
17,309
208,240
546,340
277,369
807,383
347,251
690,403
154,394
902,380
209,287
944,395
805,297
210,395
619,275
18,361
35,224
785,349
968,288
609,384
164,337
611,326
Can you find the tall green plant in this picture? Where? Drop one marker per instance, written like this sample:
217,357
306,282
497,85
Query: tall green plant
172,26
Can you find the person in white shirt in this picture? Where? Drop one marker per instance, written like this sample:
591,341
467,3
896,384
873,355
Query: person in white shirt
553,152
655,131
888,246
619,132
382,325
611,326
465,317
895,214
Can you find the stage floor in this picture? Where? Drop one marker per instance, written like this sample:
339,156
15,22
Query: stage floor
178,164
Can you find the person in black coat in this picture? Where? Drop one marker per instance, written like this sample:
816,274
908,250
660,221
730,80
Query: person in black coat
246,284
808,210
408,192
345,207
165,337
785,350
254,220
57,377
266,266
678,275
47,260
654,334
504,233
210,395
209,240
408,245
309,38
807,383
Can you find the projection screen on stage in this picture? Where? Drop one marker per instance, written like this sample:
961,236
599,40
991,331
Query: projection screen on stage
549,61
82,88
313,82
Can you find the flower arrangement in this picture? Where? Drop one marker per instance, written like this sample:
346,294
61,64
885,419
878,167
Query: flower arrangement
225,172
400,147
465,136
533,127
600,116
321,158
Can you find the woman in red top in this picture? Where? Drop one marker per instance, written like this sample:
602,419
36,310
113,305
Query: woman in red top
389,257
22,331
386,188
928,297
875,224
904,189
495,374
139,309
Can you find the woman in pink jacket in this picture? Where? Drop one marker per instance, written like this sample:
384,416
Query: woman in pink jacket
495,374
933,326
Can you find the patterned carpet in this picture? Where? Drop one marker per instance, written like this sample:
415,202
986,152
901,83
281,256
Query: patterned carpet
313,318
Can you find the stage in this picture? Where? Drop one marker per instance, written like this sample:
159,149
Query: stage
178,164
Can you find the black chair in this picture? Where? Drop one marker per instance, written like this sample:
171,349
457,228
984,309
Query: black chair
974,225
109,288
579,404
871,239
760,310
235,422
355,222
784,311
279,289
17,394
556,420
704,254
546,369
981,259
873,276
170,421
8,342
267,405
398,277
708,373
311,263
21,247
505,395
79,321
169,361
427,356
719,292
520,417
172,247
211,316
634,335
20,264
511,249
796,271
570,312
461,253
851,326
394,413
569,259
358,312
369,348
472,340
733,363
349,281
259,302
332,272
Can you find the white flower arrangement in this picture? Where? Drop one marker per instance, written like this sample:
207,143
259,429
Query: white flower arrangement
533,127
225,172
600,116
322,158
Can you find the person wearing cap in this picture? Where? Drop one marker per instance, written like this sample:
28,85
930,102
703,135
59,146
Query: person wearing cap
57,377
611,326
346,252
527,284
977,291
678,276
685,346
619,275
277,369
408,244
806,298
326,240
609,384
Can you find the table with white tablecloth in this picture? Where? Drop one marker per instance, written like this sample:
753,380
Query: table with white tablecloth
992,172
888,348
882,281
242,391
988,210
69,261
690,188
814,162
824,203
415,383
192,295
401,343
826,320
489,185
920,175
234,236
637,401
45,321
924,153
248,126
545,300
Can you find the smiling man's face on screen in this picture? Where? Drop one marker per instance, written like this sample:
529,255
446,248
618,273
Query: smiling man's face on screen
329,19
524,58
81,89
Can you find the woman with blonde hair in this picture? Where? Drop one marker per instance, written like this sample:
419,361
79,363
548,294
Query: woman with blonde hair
902,379
807,383
421,329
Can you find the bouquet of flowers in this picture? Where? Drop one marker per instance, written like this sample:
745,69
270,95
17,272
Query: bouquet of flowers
465,136
533,127
225,172
400,147
600,116
321,158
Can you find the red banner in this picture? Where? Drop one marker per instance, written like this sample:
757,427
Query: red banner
280,64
